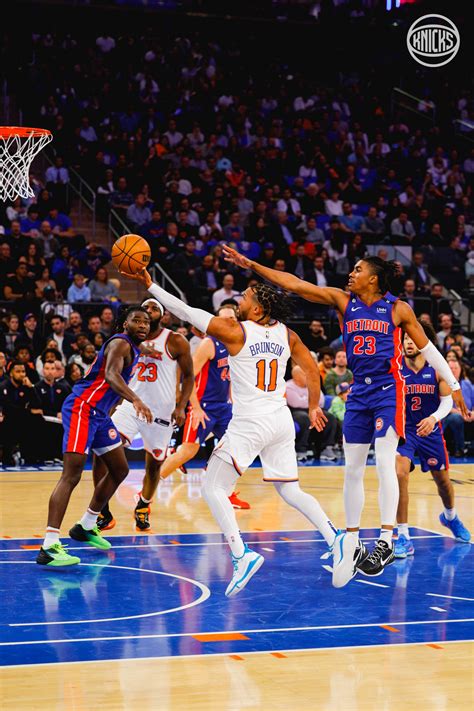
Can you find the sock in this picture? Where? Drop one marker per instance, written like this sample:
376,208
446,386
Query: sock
386,534
89,520
450,513
218,483
353,533
142,502
51,537
403,530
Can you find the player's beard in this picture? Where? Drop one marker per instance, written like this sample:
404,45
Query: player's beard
412,356
155,325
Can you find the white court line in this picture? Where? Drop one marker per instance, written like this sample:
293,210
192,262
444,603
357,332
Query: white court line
438,609
226,654
253,631
137,546
369,582
451,597
205,594
270,550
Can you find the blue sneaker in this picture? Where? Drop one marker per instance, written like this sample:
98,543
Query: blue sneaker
244,568
403,547
456,527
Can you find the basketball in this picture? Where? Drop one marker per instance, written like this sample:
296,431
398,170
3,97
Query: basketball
130,253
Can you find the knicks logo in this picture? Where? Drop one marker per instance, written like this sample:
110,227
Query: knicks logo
157,453
432,461
113,434
378,424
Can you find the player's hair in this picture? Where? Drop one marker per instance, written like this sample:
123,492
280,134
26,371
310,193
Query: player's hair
275,303
430,333
384,270
124,313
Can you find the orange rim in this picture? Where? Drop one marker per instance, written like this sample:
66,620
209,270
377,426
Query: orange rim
22,131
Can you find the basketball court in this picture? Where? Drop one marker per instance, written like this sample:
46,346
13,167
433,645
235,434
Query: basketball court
149,621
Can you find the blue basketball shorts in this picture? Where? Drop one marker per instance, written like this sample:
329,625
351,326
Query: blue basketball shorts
431,449
219,417
372,408
87,429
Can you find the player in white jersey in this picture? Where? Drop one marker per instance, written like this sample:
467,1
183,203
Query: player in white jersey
259,348
155,380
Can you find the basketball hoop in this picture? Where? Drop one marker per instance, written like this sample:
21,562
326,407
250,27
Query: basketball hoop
18,146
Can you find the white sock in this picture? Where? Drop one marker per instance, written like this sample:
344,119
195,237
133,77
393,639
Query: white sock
385,454
386,534
355,534
89,520
403,530
307,505
51,537
146,501
355,456
450,514
218,483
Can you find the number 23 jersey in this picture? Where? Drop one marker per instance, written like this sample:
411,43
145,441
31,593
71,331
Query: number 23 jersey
154,377
257,371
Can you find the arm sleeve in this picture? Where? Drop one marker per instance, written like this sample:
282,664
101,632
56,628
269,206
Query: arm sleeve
436,360
445,405
199,318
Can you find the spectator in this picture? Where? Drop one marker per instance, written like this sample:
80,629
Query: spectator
414,299
454,421
340,373
372,224
74,323
60,374
12,334
31,335
446,323
20,288
419,272
23,353
94,325
7,264
233,231
353,223
315,338
333,205
338,404
64,340
122,198
402,229
78,291
107,323
439,304
50,395
47,241
101,288
84,359
326,358
30,225
74,373
19,423
3,368
18,242
43,281
226,292
138,214
319,275
91,258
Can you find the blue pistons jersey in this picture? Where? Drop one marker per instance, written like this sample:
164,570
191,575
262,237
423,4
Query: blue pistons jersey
422,393
213,382
373,347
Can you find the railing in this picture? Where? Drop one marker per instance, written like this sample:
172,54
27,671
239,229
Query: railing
415,104
117,228
464,129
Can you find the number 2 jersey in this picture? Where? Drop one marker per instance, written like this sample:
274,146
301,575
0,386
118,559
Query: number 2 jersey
422,394
154,377
257,371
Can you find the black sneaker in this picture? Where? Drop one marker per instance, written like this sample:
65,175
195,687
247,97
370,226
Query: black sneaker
375,562
142,518
105,521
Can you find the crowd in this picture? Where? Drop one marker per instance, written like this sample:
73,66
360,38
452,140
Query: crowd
205,149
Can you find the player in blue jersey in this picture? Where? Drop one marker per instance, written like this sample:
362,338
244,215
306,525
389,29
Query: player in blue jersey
210,404
371,321
87,425
428,401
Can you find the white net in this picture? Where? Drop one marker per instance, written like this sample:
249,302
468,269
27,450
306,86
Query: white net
18,147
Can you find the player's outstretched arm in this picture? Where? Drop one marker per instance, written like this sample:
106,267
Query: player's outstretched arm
302,357
406,319
319,294
117,351
226,330
427,424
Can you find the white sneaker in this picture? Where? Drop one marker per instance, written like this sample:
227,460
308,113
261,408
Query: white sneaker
244,567
348,553
328,454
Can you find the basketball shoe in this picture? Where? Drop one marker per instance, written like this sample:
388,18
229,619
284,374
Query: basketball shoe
105,521
238,503
348,553
142,517
56,556
244,568
456,527
92,537
377,560
403,547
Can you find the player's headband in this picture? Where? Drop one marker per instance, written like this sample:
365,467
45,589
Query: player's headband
156,303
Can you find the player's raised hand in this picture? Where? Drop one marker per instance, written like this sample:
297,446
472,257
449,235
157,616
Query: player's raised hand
142,410
317,419
143,275
460,404
198,417
426,426
230,255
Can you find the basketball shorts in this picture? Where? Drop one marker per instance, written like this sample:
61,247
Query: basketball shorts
371,409
270,437
431,450
155,435
87,429
219,417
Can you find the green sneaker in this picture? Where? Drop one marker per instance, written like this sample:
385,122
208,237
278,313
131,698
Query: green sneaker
92,537
56,557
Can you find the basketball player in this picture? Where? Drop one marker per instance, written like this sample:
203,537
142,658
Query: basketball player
428,401
371,321
259,347
155,382
211,407
87,425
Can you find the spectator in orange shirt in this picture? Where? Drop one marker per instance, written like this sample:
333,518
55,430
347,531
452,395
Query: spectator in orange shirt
326,358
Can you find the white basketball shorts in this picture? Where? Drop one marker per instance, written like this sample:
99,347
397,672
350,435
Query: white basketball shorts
270,437
155,435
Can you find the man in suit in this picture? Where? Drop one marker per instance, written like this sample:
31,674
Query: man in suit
61,336
419,272
418,303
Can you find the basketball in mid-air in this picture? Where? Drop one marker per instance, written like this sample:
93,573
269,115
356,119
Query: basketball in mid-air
130,253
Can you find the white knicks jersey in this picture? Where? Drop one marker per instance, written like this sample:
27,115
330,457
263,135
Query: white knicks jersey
154,378
257,372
